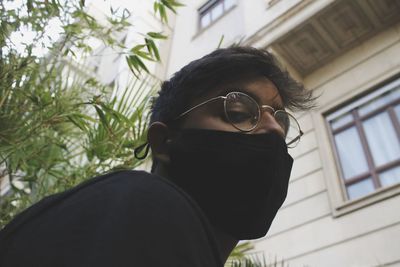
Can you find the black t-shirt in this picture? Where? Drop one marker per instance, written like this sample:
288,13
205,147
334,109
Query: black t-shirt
127,218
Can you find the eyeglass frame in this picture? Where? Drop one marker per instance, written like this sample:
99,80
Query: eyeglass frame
260,110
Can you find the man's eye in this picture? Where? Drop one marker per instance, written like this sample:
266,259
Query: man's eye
237,116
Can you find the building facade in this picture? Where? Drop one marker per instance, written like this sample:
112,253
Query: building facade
343,205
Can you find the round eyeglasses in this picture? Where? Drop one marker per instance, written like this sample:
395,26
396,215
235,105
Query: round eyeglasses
244,113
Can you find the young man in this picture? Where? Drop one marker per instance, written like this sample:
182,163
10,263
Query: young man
219,136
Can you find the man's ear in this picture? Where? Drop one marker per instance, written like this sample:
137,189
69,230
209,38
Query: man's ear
158,138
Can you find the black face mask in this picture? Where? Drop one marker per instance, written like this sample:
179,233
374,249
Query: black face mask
238,180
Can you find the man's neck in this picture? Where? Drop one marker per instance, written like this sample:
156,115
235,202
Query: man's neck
226,243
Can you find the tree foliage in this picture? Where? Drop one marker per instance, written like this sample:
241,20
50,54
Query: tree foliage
58,124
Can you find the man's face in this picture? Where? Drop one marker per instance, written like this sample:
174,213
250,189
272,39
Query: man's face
211,116
238,180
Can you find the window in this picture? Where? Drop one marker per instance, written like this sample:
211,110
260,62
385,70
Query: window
366,137
212,10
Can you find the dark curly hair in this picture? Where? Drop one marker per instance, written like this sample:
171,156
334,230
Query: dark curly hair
226,66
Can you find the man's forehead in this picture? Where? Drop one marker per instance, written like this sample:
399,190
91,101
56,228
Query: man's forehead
261,89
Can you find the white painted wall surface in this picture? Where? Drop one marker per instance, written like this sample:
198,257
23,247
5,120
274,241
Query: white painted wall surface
307,230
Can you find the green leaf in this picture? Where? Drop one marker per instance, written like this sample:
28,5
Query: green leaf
29,6
220,41
155,7
155,51
176,3
134,62
115,114
133,65
152,48
144,55
141,64
76,122
171,4
102,116
163,13
157,35
137,48
168,5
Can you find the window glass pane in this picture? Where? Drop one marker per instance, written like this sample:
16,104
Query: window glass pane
351,153
205,20
229,4
382,139
379,102
360,189
217,11
340,121
395,94
390,177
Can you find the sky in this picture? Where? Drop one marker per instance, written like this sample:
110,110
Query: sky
53,29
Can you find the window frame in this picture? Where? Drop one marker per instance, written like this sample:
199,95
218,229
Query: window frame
373,171
206,9
331,168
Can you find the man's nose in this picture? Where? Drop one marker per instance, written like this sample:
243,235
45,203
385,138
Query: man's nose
269,124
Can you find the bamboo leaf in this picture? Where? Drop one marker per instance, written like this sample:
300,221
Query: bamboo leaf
168,5
137,48
144,55
157,35
155,7
141,64
102,116
220,41
78,122
152,48
163,13
133,66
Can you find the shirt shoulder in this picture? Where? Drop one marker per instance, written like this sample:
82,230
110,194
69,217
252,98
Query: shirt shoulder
122,217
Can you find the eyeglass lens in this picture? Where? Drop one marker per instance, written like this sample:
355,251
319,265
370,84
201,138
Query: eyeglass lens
243,113
290,126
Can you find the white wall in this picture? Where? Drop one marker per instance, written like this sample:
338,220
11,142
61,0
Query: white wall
190,43
308,230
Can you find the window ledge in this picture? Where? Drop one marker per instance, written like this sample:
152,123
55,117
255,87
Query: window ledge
378,195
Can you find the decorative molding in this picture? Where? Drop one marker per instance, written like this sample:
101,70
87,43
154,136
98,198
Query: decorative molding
277,22
346,23
335,30
387,11
305,48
